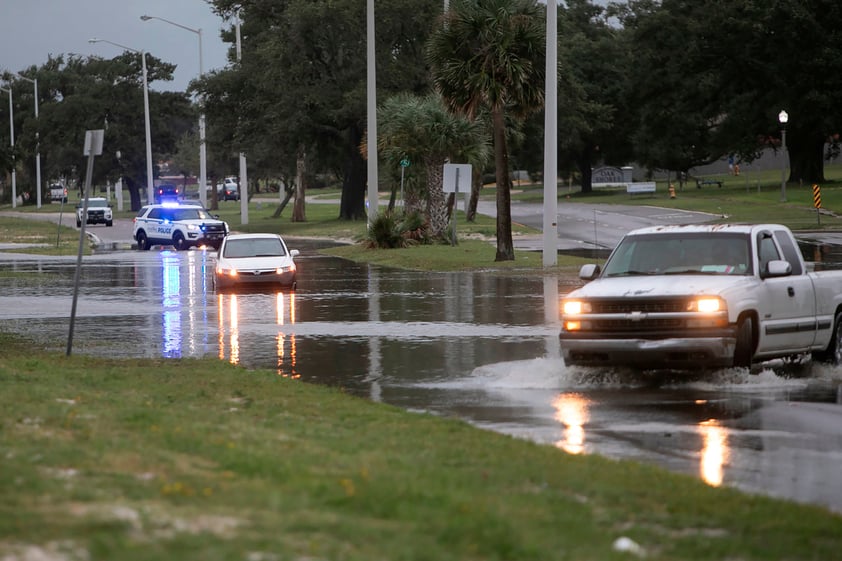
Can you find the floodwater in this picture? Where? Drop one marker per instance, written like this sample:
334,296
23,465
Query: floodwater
479,346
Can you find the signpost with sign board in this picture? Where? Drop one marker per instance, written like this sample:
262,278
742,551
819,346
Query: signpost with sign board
93,147
456,177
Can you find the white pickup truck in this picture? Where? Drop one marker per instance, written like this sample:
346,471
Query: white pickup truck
702,296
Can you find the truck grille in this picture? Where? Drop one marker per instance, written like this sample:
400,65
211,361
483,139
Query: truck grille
642,316
646,306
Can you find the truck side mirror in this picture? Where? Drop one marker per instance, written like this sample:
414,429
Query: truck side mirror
776,268
589,271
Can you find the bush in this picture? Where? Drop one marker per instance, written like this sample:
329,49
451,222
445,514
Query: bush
392,230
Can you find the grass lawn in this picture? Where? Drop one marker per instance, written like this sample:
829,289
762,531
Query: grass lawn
200,459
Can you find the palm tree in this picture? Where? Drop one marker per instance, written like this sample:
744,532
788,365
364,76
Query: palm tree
489,54
424,131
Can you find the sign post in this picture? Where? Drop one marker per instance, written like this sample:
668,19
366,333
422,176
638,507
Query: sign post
456,176
404,165
93,147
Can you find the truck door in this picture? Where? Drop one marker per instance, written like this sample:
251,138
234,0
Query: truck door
788,305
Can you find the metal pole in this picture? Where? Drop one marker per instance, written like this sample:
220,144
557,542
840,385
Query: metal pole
37,142
203,151
12,138
783,165
550,249
371,95
203,196
88,175
453,240
243,188
150,184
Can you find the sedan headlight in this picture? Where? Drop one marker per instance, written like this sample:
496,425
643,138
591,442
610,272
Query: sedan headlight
224,271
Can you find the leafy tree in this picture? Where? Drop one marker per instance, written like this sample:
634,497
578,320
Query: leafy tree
423,130
712,76
594,115
489,54
301,85
77,94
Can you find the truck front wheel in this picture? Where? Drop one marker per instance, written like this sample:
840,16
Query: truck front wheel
833,352
744,349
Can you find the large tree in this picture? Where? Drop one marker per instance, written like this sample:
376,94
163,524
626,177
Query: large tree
712,75
77,94
301,85
489,55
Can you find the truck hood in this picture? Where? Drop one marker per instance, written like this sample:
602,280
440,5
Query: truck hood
660,285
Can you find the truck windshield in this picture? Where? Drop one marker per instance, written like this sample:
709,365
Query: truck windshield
681,254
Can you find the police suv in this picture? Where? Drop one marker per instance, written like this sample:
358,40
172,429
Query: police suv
180,225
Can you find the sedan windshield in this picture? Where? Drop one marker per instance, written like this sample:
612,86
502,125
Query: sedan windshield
257,247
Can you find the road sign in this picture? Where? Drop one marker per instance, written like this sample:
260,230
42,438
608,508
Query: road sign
457,177
817,196
405,163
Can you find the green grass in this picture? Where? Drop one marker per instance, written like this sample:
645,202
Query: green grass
50,238
199,459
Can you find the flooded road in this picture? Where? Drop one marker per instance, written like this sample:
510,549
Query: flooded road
482,347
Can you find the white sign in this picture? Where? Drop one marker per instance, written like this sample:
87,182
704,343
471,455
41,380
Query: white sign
457,177
93,142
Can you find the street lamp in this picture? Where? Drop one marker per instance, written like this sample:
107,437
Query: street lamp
37,142
150,184
12,133
203,196
783,117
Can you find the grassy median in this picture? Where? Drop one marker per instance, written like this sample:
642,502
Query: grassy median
200,459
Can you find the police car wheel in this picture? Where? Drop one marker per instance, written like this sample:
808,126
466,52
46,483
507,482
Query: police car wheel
179,242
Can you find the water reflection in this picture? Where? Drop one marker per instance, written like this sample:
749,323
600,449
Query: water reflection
572,412
715,452
171,300
230,306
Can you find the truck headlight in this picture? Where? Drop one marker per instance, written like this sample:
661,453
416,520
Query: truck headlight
575,307
707,305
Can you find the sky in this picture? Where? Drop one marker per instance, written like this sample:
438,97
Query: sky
31,30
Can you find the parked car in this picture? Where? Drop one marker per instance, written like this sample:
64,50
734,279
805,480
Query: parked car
167,192
99,212
58,192
181,225
228,190
255,260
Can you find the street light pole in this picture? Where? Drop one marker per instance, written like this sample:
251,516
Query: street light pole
12,133
203,196
150,183
550,246
371,96
244,189
37,141
783,117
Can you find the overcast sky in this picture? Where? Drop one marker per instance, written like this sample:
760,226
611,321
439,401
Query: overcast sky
31,30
